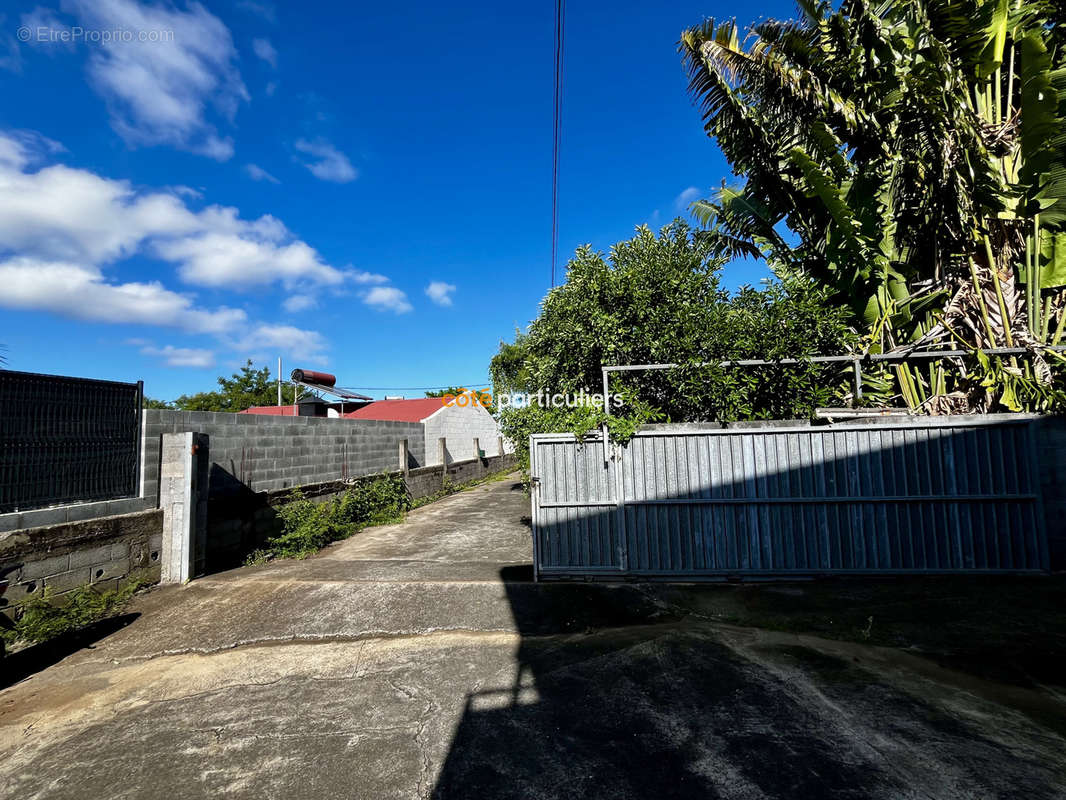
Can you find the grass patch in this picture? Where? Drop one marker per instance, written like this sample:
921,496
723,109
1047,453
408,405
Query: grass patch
307,526
47,617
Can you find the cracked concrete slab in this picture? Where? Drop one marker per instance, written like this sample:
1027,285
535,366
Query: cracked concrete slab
417,660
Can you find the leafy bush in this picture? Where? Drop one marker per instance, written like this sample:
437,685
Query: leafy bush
307,526
48,617
658,299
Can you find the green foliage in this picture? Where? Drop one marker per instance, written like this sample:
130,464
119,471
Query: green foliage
483,397
308,526
244,389
452,390
917,152
151,402
658,299
48,617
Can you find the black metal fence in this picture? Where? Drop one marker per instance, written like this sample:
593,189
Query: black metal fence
67,440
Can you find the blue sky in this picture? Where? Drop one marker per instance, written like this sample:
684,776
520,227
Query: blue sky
358,187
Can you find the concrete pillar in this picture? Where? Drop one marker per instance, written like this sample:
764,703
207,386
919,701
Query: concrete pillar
405,465
477,448
183,478
442,451
499,445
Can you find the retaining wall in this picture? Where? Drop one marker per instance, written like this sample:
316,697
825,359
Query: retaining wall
100,552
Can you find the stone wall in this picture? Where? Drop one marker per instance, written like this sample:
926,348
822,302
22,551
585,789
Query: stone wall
99,552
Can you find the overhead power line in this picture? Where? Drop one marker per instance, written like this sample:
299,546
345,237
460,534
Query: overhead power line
560,27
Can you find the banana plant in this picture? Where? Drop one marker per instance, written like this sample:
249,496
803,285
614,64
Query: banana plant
910,156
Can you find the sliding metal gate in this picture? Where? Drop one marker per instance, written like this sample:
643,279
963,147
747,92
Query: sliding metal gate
944,496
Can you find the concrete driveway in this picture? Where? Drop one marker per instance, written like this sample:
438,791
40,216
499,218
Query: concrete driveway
417,660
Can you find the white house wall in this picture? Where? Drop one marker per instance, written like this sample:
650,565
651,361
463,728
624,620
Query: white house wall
460,426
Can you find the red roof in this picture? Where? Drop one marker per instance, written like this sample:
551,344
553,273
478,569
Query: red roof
270,411
398,410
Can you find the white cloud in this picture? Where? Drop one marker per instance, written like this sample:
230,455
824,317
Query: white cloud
270,88
80,292
329,163
187,191
244,259
264,10
19,149
60,227
181,356
63,214
272,338
10,54
159,92
299,302
358,276
440,292
257,173
264,50
683,200
47,31
387,298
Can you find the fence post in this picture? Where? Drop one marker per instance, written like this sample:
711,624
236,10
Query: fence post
442,451
183,487
499,446
405,464
477,448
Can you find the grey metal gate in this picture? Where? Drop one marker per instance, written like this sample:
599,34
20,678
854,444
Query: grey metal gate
959,495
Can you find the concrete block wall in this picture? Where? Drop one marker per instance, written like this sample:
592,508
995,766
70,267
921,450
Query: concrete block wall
238,524
430,480
99,552
460,426
262,454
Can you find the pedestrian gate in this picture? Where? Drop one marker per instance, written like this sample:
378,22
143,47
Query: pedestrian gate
682,504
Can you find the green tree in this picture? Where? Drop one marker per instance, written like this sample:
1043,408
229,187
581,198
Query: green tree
915,149
658,299
452,390
244,389
151,402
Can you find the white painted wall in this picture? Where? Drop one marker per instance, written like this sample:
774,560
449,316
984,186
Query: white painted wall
460,426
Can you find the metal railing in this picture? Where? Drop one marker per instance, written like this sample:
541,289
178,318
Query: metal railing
67,440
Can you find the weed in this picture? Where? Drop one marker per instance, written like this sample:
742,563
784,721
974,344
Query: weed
307,526
49,616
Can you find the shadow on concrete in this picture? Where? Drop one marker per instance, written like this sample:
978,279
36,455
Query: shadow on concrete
627,691
239,520
20,665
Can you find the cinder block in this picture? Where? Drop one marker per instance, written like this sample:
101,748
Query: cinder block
85,511
44,517
90,556
118,550
45,566
66,581
112,569
24,591
10,522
